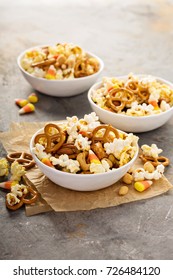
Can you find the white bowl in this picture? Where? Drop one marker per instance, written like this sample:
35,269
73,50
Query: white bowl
82,182
60,88
130,123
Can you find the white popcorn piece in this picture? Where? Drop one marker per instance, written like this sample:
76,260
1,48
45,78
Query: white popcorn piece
96,168
19,190
151,151
38,150
140,174
12,199
82,143
164,106
64,161
17,171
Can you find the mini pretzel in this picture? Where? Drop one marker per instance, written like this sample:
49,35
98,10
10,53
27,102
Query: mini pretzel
68,148
52,142
105,137
98,149
156,161
22,158
132,85
117,103
23,200
44,63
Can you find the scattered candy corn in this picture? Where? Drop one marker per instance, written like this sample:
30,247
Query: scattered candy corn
33,98
93,158
47,162
21,102
142,185
28,108
8,184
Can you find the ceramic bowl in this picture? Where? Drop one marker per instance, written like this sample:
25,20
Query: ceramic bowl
130,123
82,182
60,88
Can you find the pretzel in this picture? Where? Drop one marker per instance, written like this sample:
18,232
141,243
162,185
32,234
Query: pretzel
117,103
22,158
105,137
68,148
98,149
155,161
52,142
44,63
24,200
132,85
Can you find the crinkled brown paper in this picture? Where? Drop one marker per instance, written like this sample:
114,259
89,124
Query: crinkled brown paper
54,197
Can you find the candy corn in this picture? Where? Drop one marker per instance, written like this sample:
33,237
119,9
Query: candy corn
51,73
33,98
8,184
21,102
142,185
93,158
27,109
154,104
47,162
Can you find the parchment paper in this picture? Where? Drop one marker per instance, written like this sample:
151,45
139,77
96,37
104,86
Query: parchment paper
54,197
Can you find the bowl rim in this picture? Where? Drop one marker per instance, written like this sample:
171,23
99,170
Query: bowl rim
96,85
64,80
74,174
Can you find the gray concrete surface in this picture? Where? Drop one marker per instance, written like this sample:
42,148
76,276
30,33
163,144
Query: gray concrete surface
130,36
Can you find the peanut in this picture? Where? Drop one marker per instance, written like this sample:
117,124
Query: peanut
149,167
127,179
123,190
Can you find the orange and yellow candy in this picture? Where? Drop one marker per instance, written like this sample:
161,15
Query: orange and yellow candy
154,104
93,158
28,108
142,185
8,184
21,102
33,98
47,162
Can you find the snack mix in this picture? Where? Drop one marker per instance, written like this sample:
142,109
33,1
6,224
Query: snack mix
19,193
59,62
84,146
134,96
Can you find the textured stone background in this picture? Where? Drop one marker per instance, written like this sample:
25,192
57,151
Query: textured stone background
130,36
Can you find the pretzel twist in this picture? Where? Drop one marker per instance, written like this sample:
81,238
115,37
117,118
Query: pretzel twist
22,158
24,200
52,142
155,161
106,136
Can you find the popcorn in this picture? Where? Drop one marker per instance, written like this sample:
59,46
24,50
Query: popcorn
38,150
3,167
19,190
12,199
17,171
118,145
140,174
151,151
82,143
64,161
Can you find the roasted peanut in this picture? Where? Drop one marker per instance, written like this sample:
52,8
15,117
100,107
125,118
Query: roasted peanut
127,179
123,190
149,167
